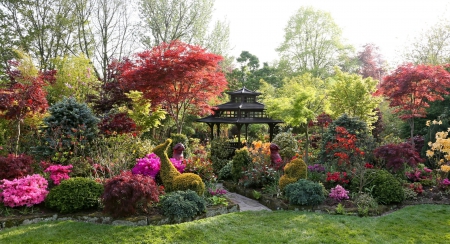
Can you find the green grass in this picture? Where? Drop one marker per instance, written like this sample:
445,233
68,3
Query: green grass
413,224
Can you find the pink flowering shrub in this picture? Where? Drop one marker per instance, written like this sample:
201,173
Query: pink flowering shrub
419,174
338,193
149,165
59,172
444,184
179,164
26,191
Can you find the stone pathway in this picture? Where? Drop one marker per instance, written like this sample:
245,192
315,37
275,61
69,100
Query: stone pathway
245,203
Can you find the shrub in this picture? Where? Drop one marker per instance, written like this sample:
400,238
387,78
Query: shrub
13,167
117,124
304,192
58,173
293,171
258,174
225,172
74,194
364,202
201,166
337,178
386,188
288,145
179,205
316,173
26,191
338,193
241,161
189,181
148,166
395,156
220,154
70,126
127,193
420,173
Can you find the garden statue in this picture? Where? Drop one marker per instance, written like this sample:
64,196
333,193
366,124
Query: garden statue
275,157
171,178
178,151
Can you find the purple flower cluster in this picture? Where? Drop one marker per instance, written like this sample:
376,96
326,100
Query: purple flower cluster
26,191
149,165
319,168
338,193
179,164
217,192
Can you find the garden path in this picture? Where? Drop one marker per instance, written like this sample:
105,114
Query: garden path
245,204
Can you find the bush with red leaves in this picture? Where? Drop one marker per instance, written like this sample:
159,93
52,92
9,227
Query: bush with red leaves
396,155
117,124
126,194
15,166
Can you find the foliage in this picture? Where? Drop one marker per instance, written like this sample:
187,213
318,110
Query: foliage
15,166
26,191
258,174
74,194
288,145
316,173
346,155
147,166
420,173
189,181
179,205
312,43
180,77
371,62
141,113
304,192
219,154
128,193
241,162
338,193
386,188
293,171
410,89
59,172
337,178
364,202
117,124
225,172
70,127
352,95
200,165
396,156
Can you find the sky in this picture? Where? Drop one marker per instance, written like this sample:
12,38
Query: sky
257,26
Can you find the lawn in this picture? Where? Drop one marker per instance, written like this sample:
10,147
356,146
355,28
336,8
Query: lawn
412,224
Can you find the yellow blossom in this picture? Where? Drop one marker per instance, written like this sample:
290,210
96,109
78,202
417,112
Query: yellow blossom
434,122
440,122
428,123
430,153
445,168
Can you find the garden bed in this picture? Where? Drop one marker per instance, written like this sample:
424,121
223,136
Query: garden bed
154,217
430,195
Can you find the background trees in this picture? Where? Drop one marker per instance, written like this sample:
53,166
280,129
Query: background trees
180,77
312,43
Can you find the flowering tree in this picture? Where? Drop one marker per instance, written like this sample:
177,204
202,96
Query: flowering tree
180,77
410,88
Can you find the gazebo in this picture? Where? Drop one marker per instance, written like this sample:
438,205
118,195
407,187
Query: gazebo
242,110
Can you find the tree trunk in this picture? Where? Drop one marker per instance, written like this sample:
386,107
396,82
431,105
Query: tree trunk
411,124
306,158
18,137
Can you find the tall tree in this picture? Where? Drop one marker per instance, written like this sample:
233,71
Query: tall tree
371,62
180,77
298,101
410,88
432,46
353,95
312,43
184,20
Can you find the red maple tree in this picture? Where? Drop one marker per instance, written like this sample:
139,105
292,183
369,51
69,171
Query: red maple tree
22,97
180,77
371,62
410,88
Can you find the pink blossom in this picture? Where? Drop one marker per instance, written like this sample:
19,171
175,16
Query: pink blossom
339,193
26,191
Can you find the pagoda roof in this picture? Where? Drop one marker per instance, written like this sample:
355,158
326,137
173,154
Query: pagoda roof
242,106
212,119
244,91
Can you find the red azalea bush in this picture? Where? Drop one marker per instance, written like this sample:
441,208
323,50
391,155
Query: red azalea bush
127,193
395,156
344,150
26,191
337,178
15,166
416,187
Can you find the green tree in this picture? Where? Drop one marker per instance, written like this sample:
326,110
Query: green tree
312,43
352,95
297,101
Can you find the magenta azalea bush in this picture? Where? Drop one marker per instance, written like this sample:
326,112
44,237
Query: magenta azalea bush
59,172
179,164
149,165
26,191
338,193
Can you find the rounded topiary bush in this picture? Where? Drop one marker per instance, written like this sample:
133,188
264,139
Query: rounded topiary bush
304,192
287,143
189,181
293,171
74,194
127,193
179,205
386,188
